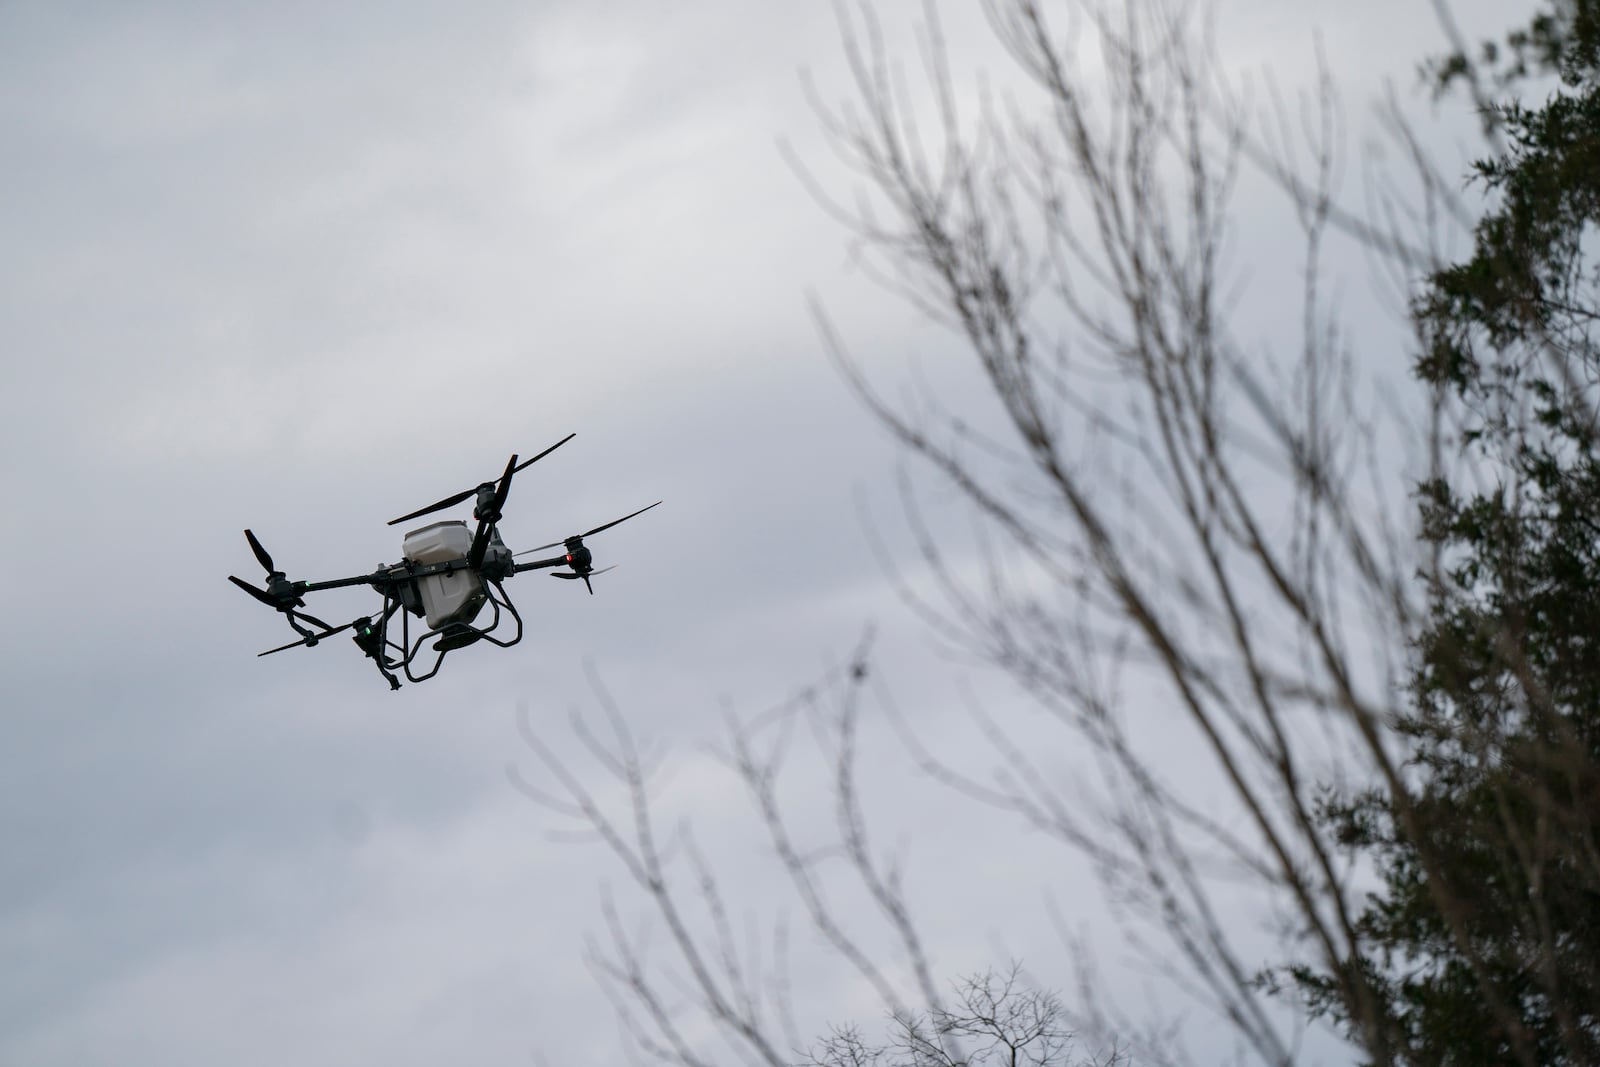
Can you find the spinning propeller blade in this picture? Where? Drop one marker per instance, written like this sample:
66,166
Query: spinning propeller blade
314,639
447,502
614,522
541,455
571,575
585,576
453,500
587,533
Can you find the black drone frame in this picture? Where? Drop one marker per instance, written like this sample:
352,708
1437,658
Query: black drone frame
489,560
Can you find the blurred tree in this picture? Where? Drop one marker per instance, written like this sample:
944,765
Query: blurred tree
1009,1024
1194,540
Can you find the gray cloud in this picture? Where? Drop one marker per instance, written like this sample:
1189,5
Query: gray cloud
302,268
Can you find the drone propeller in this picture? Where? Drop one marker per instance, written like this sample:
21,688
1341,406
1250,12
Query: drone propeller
266,598
456,498
588,533
585,575
314,639
568,574
486,521
579,557
261,553
279,593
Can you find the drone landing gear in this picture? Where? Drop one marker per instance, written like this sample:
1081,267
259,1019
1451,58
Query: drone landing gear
453,636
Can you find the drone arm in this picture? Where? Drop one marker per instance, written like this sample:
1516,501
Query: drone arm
403,572
294,624
541,564
339,583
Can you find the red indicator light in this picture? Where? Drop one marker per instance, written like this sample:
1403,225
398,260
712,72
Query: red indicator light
569,557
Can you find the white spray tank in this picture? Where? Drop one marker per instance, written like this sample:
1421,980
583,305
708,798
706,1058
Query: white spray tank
458,596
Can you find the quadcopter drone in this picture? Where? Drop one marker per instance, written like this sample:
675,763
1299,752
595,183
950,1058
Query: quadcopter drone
447,575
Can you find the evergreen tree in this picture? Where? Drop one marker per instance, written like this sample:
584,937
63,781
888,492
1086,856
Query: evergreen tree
1484,938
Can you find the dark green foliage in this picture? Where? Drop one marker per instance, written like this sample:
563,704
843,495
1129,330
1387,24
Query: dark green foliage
1529,285
1484,938
1554,41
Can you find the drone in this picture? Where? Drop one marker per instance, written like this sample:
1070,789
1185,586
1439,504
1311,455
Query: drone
448,573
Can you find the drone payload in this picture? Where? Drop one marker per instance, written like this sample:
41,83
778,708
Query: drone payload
452,597
448,573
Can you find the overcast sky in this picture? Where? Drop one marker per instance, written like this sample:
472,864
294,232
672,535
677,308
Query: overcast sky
303,267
